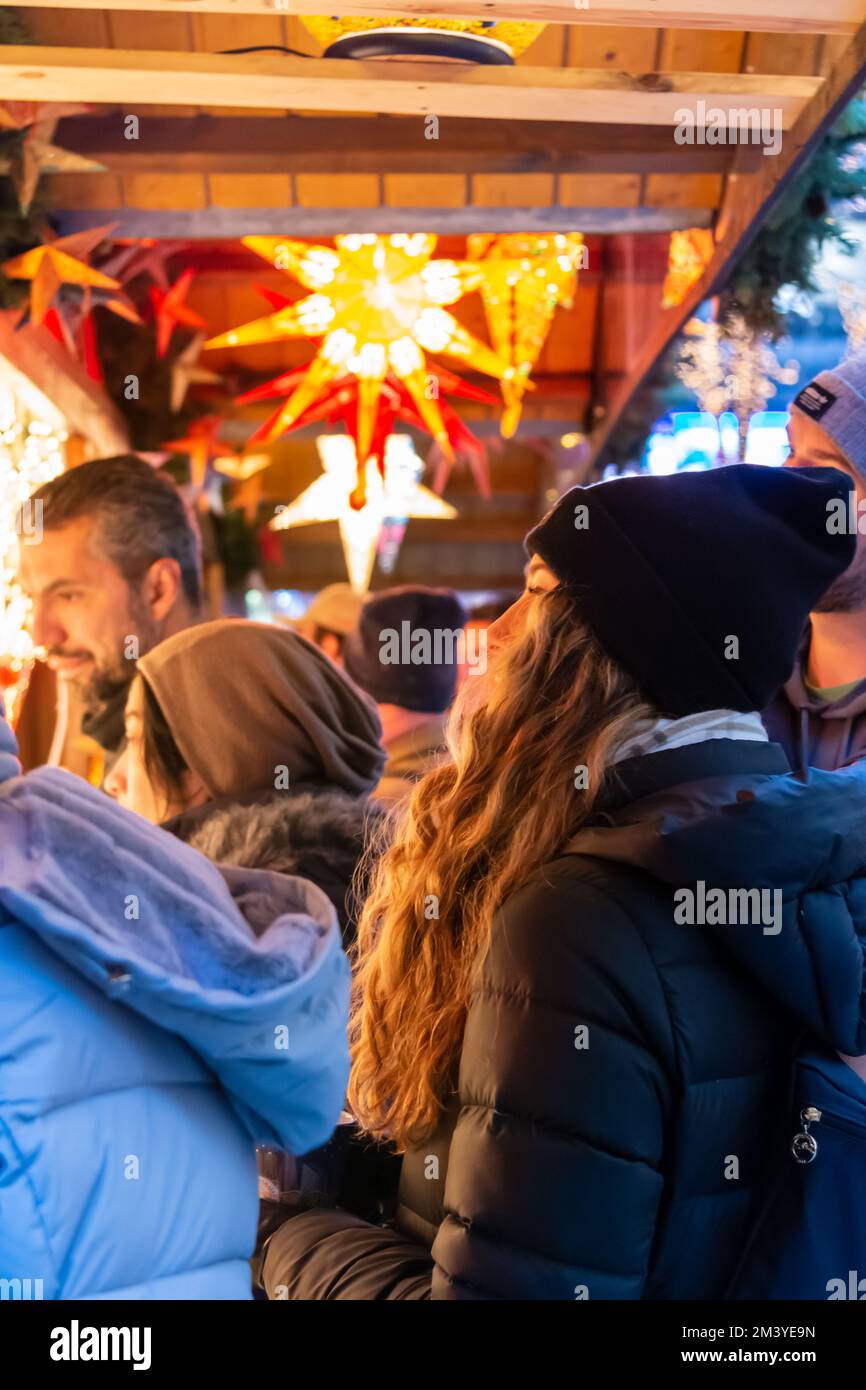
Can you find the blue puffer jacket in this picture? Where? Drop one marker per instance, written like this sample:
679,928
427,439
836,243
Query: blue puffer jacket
157,1019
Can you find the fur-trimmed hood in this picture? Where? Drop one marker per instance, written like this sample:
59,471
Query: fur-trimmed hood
318,834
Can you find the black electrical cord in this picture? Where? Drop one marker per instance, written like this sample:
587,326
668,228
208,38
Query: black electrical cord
266,48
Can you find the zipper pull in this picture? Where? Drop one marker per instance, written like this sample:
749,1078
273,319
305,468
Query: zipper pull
804,1145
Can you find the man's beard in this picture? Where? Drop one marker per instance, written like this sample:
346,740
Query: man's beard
107,682
847,594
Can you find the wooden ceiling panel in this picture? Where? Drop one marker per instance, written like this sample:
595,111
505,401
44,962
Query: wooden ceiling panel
605,191
512,190
426,190
625,50
337,190
695,50
167,192
682,190
250,190
796,54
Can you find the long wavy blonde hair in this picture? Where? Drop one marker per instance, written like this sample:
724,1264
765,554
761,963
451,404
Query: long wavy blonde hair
473,832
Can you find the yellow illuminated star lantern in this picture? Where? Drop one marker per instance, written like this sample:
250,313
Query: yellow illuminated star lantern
377,303
526,278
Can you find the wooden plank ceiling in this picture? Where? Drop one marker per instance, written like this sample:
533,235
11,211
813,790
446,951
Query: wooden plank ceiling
578,135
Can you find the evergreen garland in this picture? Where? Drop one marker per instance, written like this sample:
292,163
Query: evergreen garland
18,231
787,249
785,253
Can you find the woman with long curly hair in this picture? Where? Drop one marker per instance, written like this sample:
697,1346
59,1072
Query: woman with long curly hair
581,1053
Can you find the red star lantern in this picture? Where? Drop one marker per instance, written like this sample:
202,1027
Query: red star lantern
339,405
171,310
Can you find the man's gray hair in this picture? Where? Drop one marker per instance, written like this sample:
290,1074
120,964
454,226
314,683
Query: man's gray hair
139,513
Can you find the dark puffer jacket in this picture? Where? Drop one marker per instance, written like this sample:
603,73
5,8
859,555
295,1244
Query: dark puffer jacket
626,1162
316,833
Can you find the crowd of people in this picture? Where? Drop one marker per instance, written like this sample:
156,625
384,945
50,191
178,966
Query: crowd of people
408,953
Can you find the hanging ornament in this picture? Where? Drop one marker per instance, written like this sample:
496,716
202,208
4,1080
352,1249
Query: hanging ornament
134,256
32,438
377,304
241,467
731,367
489,41
395,496
526,278
36,154
339,405
186,371
201,446
57,263
170,310
689,254
72,323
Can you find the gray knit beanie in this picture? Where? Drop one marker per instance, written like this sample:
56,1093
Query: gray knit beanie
836,400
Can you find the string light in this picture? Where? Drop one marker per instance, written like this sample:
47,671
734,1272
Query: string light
32,439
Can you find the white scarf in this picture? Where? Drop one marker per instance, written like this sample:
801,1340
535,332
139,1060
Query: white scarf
654,735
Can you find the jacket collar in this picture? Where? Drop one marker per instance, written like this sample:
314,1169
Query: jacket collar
636,778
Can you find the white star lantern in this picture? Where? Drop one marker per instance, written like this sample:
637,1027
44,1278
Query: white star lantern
393,499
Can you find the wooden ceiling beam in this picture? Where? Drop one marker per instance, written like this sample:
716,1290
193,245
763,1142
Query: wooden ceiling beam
216,222
138,78
781,16
205,144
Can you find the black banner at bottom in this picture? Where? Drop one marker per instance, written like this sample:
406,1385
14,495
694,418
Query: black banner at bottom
64,1339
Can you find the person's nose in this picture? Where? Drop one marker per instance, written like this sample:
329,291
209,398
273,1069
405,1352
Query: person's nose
46,630
500,631
117,781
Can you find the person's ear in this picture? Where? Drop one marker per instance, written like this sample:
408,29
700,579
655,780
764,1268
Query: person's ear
162,586
195,793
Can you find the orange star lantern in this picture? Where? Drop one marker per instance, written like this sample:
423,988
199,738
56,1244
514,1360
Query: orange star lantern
377,304
57,263
201,446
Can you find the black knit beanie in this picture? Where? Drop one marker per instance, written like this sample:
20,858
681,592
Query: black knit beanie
700,584
401,652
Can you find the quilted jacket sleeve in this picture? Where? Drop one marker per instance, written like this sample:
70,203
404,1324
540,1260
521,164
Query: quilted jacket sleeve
555,1170
334,1255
